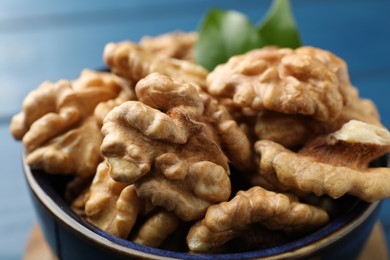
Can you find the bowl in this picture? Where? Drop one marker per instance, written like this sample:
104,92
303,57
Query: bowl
71,237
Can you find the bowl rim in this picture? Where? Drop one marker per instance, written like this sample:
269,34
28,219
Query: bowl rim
303,246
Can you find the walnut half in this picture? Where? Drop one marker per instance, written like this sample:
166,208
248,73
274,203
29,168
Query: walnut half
57,125
275,211
167,148
335,164
307,81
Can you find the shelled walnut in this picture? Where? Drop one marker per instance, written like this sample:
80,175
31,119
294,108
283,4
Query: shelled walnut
335,164
178,45
112,206
305,81
57,125
227,220
293,131
167,148
133,62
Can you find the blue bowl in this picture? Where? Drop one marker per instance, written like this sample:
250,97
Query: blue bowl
71,237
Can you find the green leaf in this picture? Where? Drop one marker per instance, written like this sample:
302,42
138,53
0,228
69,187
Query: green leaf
279,28
223,34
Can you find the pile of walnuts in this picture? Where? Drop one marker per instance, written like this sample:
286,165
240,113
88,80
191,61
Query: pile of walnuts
162,151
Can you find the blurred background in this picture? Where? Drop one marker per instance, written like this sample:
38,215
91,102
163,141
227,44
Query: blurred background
49,40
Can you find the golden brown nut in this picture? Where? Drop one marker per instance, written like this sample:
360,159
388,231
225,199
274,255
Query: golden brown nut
93,78
305,81
334,165
133,62
37,123
355,145
112,206
336,65
77,193
160,92
178,45
357,108
276,211
204,183
156,228
78,204
293,131
57,126
74,152
167,140
103,79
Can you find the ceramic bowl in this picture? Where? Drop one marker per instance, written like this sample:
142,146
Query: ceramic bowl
71,237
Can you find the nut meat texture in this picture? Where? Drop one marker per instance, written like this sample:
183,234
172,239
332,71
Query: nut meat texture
112,206
57,125
305,81
334,165
133,62
275,211
166,148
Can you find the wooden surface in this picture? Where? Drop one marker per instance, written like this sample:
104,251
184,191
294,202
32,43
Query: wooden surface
36,246
375,247
38,249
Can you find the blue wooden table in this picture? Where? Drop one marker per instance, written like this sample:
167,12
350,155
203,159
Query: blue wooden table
46,40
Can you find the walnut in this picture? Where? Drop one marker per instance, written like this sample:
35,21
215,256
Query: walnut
275,211
305,81
335,164
165,146
162,93
293,131
357,108
336,65
133,62
204,184
112,206
77,204
93,78
156,228
57,126
178,45
73,152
